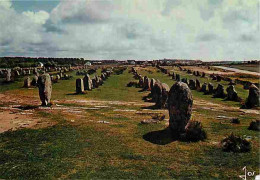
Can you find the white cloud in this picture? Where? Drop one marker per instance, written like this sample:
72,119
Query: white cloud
37,17
134,29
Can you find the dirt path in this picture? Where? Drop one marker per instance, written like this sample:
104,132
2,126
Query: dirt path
238,70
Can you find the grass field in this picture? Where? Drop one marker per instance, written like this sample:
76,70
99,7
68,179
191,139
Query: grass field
79,147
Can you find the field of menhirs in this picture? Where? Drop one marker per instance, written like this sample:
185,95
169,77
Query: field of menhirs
128,122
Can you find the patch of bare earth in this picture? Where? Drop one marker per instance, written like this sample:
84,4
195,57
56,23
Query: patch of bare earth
17,112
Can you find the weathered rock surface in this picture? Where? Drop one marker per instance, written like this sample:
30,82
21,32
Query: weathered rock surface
253,97
45,89
204,88
27,82
210,88
180,102
192,84
197,85
231,93
219,92
87,82
79,86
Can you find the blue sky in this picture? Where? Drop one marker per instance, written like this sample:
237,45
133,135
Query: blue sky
34,5
131,29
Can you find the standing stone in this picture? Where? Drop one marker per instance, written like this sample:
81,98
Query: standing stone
219,92
253,97
27,82
203,74
45,89
17,73
218,78
152,83
198,73
173,75
210,88
156,92
103,77
180,107
94,82
246,84
141,82
178,77
184,80
214,77
192,84
79,86
204,88
100,81
8,75
231,93
97,81
146,83
87,82
197,85
34,80
164,97
35,71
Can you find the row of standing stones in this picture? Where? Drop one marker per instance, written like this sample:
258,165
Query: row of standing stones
88,84
11,74
29,82
219,91
178,99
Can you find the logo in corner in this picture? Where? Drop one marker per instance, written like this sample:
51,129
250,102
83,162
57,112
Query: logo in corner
248,174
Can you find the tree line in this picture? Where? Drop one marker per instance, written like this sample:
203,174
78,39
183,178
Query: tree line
23,62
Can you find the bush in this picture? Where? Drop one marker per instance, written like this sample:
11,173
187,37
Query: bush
194,132
235,121
254,125
235,144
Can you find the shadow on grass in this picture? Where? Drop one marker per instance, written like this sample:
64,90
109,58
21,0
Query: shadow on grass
27,107
142,90
147,98
73,94
69,94
161,137
150,107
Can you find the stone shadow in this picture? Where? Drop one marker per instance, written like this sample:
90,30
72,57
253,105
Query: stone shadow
153,107
27,107
161,137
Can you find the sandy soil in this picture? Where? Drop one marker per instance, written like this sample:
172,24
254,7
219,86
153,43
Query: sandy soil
14,114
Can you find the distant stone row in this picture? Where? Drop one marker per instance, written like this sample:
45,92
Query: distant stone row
246,84
219,91
32,81
87,84
10,75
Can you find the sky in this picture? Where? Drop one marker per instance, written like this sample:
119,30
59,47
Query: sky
209,30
